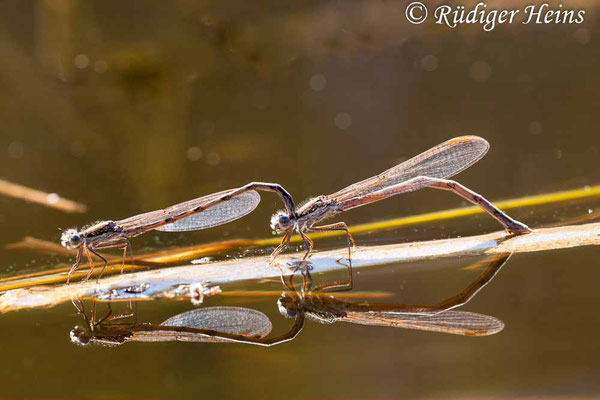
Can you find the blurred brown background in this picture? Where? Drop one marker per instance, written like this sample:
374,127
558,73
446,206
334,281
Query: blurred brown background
132,106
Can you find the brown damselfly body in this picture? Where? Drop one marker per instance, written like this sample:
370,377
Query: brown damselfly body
201,213
428,169
242,325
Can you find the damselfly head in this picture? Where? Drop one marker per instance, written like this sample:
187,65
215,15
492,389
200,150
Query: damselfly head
80,336
280,222
71,239
288,307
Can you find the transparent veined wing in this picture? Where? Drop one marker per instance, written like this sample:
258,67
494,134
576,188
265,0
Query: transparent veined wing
207,325
219,214
231,320
442,161
192,214
454,322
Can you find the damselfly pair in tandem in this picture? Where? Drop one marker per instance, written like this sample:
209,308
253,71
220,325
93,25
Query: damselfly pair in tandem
428,169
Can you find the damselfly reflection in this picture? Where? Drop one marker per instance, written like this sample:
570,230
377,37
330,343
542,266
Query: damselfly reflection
437,318
201,213
428,169
242,325
210,325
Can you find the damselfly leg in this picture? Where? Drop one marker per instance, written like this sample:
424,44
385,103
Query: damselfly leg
284,242
76,265
340,226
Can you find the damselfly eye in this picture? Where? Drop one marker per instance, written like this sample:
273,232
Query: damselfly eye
287,307
71,239
79,336
280,222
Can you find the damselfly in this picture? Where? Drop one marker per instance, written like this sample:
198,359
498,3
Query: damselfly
204,212
209,325
428,169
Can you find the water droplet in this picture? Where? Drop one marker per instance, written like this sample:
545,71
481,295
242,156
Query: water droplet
317,82
480,71
582,35
16,149
81,61
100,66
535,128
429,63
213,158
343,120
194,153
